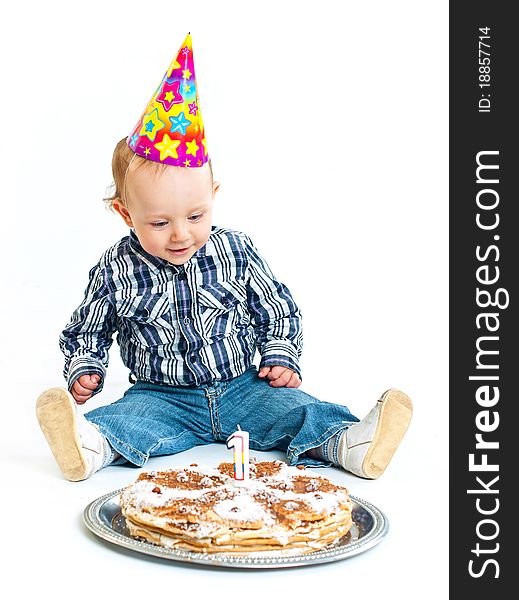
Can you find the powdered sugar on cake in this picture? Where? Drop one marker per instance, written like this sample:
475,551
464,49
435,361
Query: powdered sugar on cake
202,508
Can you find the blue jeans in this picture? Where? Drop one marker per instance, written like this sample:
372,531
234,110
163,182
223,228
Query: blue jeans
154,420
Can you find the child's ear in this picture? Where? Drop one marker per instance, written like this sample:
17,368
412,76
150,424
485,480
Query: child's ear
123,211
216,187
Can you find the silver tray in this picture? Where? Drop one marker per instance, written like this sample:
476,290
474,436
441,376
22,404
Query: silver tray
104,518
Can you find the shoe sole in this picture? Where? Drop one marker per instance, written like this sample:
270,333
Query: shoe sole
394,419
56,413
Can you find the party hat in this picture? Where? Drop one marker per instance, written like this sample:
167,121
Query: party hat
171,130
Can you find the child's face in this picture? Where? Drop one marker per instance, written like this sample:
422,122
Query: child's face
170,210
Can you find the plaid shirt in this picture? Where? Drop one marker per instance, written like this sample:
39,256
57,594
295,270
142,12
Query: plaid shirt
183,325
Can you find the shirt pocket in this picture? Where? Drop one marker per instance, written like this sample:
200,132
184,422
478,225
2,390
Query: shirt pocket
146,319
222,297
222,309
143,309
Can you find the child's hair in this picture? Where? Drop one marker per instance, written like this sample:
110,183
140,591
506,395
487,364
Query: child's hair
121,159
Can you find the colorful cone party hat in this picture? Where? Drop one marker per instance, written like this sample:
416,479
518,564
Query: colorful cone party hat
171,130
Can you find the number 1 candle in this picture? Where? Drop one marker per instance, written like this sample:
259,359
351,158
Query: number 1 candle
239,440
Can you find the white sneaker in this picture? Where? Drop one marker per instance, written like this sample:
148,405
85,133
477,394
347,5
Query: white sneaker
77,444
366,447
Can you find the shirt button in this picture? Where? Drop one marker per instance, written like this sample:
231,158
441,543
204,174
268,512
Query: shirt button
187,320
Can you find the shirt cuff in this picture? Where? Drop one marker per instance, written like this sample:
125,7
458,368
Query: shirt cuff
280,353
85,366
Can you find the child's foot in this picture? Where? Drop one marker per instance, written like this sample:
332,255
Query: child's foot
78,446
366,447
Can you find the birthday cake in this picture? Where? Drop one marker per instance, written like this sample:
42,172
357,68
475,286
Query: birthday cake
280,509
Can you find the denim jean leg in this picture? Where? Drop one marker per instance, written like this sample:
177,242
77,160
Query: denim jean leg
286,419
154,420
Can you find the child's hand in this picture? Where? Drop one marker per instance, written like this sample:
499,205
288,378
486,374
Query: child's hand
83,387
280,377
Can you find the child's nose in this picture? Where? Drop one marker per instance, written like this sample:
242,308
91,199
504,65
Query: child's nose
179,232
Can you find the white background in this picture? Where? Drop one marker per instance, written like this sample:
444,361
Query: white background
327,124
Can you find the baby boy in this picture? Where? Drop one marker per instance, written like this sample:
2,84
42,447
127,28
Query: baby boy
191,304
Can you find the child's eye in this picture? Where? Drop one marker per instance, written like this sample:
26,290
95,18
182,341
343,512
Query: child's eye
195,218
159,224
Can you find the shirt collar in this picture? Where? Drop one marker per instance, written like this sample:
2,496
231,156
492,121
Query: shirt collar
154,262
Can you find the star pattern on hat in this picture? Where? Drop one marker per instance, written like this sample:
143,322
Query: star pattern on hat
170,129
170,95
173,67
192,147
167,147
179,123
151,124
